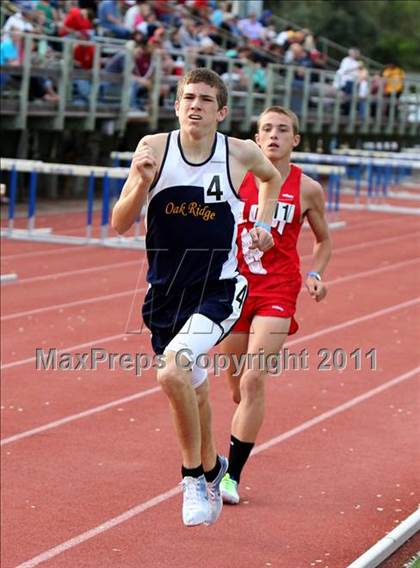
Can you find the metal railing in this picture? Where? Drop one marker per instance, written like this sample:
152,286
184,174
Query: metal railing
321,107
331,49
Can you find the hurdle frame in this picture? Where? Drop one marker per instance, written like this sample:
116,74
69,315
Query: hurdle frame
36,167
333,171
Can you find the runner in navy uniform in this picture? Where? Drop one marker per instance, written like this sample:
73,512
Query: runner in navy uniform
190,179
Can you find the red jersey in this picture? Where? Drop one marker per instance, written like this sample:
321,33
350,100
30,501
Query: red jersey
274,276
280,265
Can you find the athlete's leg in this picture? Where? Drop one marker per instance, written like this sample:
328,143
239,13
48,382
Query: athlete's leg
208,448
198,335
176,384
269,334
235,346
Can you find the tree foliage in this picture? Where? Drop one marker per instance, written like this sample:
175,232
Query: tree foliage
385,30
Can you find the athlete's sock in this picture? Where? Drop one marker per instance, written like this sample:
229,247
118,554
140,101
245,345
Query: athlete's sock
213,473
194,472
238,456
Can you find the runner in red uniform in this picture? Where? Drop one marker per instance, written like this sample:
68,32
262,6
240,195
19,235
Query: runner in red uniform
274,281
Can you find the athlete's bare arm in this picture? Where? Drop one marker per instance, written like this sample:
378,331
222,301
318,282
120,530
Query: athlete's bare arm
313,207
245,156
144,166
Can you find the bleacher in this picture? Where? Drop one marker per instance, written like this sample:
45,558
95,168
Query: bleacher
88,98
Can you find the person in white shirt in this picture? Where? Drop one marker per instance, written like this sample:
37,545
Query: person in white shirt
18,22
348,72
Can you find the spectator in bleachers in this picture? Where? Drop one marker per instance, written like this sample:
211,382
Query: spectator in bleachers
158,39
393,77
20,21
188,34
259,77
21,5
77,24
296,55
173,41
348,72
51,16
217,16
251,28
284,38
199,8
318,60
133,15
110,19
9,52
276,51
236,80
10,47
266,18
149,24
139,85
167,12
393,84
231,25
268,35
42,88
376,87
308,41
205,42
362,89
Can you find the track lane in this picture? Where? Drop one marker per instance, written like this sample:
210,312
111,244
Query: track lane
344,500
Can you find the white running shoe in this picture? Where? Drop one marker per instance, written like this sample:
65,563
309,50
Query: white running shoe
215,497
195,507
229,489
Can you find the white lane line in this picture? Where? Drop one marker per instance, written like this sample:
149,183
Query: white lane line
389,543
334,411
55,275
92,300
305,257
365,273
355,321
97,341
47,252
142,258
316,334
78,416
162,497
355,225
308,337
371,243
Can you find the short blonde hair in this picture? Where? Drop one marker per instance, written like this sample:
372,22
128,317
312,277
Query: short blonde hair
207,76
281,110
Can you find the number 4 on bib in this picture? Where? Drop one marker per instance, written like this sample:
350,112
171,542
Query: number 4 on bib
240,296
213,192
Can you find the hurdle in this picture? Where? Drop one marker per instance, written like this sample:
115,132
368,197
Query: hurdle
400,171
376,173
333,172
7,278
34,168
415,155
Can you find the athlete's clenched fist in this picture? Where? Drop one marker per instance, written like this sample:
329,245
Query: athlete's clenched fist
261,239
144,161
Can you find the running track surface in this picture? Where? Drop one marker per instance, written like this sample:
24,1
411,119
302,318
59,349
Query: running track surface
90,466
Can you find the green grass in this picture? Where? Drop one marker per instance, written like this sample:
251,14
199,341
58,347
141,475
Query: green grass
414,562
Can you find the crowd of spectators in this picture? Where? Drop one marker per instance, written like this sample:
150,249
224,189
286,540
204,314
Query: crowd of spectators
352,77
194,27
